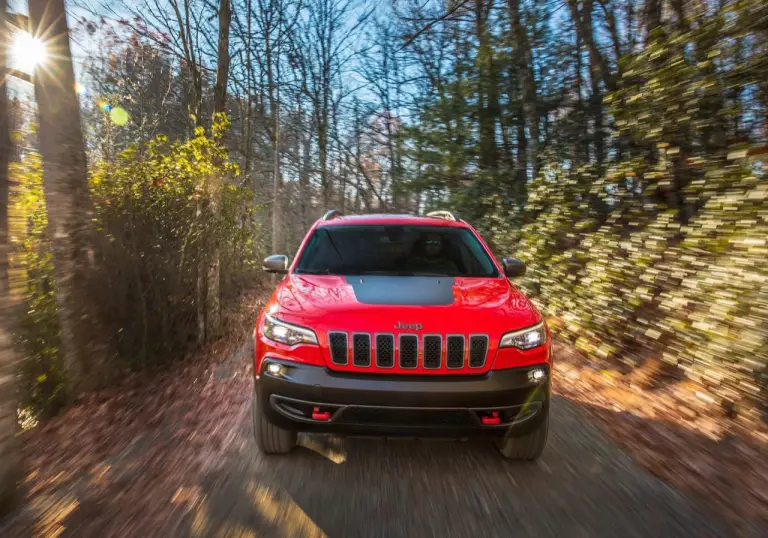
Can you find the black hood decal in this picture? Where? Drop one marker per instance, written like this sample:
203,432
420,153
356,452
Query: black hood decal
402,290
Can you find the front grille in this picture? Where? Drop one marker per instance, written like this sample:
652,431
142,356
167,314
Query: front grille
339,347
409,350
433,349
408,417
478,349
361,349
454,354
385,350
381,350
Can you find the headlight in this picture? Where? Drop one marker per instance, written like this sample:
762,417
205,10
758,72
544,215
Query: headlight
285,333
525,338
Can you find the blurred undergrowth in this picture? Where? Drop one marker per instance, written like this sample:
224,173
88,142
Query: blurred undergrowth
662,254
150,246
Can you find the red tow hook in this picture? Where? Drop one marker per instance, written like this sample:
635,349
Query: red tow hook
491,420
318,415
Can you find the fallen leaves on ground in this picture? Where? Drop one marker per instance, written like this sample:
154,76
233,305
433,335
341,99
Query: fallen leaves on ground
128,460
672,428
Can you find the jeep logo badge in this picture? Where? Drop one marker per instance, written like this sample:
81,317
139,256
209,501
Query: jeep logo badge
408,326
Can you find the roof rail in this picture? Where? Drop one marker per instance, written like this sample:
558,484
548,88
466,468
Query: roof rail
332,214
446,215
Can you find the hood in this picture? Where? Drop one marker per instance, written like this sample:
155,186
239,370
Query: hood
378,303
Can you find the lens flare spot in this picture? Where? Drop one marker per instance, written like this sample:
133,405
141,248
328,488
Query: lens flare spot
118,115
27,52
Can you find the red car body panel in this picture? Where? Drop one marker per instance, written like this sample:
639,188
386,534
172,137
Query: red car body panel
488,306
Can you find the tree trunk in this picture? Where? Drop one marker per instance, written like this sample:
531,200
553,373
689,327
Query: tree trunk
613,28
277,184
10,450
339,169
678,6
581,142
305,191
322,144
362,202
652,16
598,63
488,94
222,61
213,281
597,69
713,102
86,347
527,83
522,159
272,61
184,22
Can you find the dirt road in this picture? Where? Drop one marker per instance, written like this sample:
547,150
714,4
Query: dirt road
582,486
198,473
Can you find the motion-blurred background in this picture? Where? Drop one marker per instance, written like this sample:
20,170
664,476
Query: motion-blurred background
153,151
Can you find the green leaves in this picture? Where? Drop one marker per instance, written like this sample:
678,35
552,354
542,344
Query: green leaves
155,234
42,370
635,278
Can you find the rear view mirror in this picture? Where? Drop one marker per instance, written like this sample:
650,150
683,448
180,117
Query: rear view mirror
513,267
277,263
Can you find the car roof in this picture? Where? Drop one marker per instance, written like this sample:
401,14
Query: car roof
391,219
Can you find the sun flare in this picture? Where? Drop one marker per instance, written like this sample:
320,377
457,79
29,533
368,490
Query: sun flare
27,52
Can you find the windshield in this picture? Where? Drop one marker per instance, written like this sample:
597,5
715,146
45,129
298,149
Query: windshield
395,250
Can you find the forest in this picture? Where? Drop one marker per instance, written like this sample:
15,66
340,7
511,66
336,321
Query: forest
163,148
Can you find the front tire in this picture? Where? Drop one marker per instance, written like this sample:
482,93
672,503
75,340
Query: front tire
527,447
269,438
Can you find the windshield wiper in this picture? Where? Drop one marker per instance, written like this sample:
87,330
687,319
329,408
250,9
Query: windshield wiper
371,272
395,273
333,244
313,271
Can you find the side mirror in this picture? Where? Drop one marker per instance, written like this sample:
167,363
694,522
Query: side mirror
513,267
277,263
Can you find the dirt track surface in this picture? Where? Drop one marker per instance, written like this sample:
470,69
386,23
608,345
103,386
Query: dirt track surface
582,486
198,473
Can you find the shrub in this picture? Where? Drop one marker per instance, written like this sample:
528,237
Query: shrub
156,235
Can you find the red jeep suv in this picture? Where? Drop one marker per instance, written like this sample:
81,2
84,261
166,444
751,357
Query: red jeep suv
400,325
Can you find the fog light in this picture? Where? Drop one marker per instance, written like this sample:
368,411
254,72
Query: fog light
537,375
274,368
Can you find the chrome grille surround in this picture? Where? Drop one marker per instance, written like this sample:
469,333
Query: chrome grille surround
384,344
432,351
361,349
478,350
338,344
411,349
454,343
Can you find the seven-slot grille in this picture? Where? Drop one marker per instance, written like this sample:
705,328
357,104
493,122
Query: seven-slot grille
365,350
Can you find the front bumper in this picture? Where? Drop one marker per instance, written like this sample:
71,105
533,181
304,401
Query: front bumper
377,404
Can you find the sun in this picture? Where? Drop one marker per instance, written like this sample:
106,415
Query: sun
27,52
